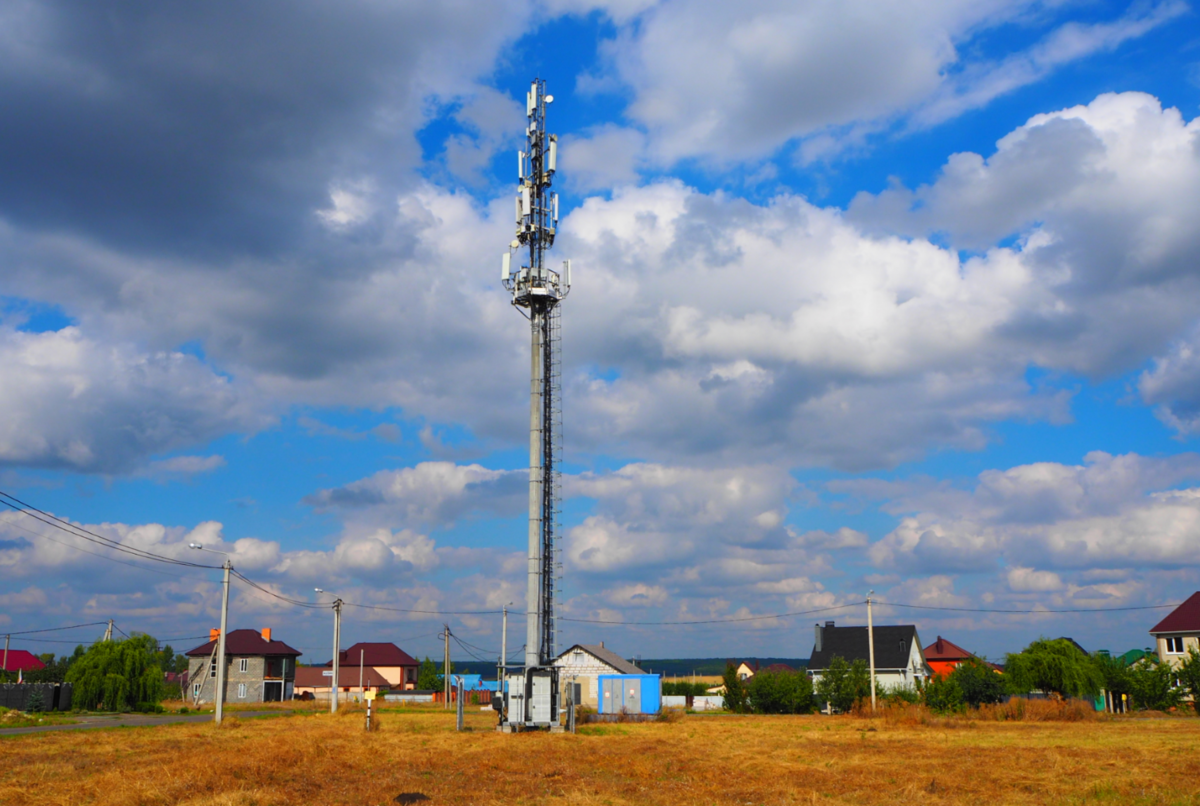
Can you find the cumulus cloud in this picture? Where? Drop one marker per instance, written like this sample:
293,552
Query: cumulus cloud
1109,512
74,403
726,81
432,493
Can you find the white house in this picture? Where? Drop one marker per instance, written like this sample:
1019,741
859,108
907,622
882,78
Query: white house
899,661
584,663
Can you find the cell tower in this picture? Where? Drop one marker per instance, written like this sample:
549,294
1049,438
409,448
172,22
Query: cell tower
537,291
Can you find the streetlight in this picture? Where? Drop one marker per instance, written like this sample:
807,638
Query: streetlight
337,648
220,685
871,647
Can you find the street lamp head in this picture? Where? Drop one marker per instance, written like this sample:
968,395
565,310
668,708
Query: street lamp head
195,546
318,590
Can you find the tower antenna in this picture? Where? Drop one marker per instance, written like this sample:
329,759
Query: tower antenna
537,290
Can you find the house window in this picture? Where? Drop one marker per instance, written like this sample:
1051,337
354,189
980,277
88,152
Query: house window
196,690
902,645
241,691
1175,645
244,665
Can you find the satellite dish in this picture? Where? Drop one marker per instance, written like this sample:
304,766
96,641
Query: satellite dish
549,99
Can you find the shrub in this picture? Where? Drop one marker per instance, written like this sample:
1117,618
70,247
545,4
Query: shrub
735,690
36,702
842,684
1189,676
1152,684
980,683
780,693
1055,667
684,688
942,695
900,695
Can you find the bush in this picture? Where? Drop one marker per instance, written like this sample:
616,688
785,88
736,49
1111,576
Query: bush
780,693
979,683
735,690
843,684
1189,676
684,688
1054,667
900,695
1152,684
942,695
36,702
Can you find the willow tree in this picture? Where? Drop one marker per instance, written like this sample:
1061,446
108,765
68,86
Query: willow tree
118,676
1056,667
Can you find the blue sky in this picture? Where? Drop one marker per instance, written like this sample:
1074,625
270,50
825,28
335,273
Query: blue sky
868,296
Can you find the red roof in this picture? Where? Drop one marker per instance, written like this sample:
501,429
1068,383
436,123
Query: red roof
245,642
375,654
22,660
777,667
1185,618
314,677
941,649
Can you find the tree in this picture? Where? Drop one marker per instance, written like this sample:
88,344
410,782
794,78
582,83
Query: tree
428,676
1189,676
979,683
735,690
1152,684
118,676
1116,674
780,693
843,684
1056,667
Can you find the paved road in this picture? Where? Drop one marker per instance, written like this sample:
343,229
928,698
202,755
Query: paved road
134,721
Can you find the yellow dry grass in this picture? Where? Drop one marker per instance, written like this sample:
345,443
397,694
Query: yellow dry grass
314,758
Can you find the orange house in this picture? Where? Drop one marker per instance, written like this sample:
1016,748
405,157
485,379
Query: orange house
942,656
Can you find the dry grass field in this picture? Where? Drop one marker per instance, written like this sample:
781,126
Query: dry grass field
314,758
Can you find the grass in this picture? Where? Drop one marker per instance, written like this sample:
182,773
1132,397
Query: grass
10,718
316,758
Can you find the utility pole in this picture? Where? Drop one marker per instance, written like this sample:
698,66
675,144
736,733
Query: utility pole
220,698
108,632
871,648
219,714
6,652
337,651
446,665
361,690
503,649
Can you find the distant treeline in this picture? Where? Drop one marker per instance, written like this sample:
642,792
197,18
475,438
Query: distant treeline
680,667
709,667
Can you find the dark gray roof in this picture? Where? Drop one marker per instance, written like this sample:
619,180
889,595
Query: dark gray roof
607,656
892,646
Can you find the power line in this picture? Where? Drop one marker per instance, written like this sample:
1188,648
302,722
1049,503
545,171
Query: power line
1030,612
429,612
78,531
711,621
93,553
60,629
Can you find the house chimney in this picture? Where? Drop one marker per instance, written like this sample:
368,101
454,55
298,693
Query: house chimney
829,624
214,634
940,650
816,638
602,645
266,633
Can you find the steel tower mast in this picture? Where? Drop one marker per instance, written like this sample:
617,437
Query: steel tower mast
538,290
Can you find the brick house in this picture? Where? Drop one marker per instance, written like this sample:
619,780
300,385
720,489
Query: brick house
942,656
257,668
397,666
1179,632
584,663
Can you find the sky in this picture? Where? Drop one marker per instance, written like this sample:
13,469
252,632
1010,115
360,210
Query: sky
868,296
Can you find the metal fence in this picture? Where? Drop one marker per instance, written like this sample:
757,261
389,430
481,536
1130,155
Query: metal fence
55,696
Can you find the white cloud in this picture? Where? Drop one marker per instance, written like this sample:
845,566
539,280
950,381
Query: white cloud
730,81
602,158
1110,512
74,403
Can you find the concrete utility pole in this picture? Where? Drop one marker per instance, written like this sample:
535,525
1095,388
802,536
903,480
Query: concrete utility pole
871,648
220,712
337,652
503,648
108,632
446,666
361,690
6,652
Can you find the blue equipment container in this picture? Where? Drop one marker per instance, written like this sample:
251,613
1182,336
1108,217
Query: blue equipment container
630,693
